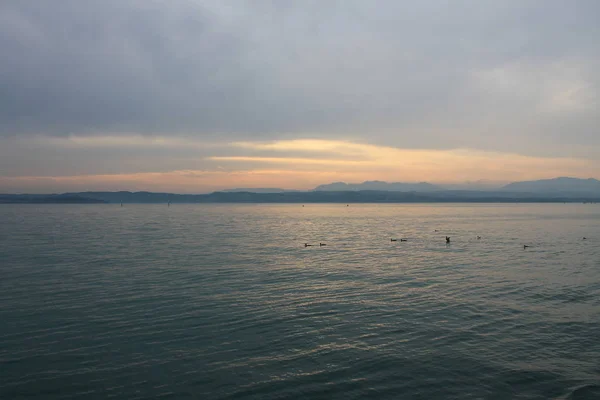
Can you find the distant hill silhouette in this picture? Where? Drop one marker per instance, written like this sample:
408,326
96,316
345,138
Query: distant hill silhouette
481,184
548,190
563,185
258,190
139,197
355,196
65,198
379,185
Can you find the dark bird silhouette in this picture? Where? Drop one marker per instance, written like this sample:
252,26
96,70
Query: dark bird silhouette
525,246
404,240
307,245
322,244
478,237
447,239
436,230
584,238
393,240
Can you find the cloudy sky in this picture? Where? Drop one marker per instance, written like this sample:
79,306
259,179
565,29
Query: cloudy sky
192,96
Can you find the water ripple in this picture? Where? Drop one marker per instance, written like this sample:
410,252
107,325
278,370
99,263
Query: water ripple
224,302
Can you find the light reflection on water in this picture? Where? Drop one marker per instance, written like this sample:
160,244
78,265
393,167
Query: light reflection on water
224,301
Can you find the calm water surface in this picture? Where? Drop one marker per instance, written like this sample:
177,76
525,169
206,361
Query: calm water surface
225,302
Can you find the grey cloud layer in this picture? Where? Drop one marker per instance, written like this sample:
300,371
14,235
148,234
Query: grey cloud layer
433,74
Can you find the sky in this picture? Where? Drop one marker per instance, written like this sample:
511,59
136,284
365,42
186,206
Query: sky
192,96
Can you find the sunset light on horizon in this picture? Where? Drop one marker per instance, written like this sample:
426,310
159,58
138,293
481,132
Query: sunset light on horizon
193,97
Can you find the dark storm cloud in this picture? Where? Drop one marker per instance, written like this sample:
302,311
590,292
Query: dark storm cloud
416,74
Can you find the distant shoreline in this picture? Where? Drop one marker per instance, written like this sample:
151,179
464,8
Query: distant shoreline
314,197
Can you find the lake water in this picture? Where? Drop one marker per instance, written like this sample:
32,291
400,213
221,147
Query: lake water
225,302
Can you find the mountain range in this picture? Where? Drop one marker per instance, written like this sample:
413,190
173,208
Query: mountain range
259,190
548,190
562,185
421,187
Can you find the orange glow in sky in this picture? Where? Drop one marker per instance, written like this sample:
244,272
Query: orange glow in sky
306,163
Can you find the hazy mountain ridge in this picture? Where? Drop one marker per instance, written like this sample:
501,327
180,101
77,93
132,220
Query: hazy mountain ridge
556,185
65,198
356,196
548,190
359,196
380,185
562,185
259,190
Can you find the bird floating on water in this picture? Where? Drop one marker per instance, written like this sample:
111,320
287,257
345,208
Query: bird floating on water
478,237
447,239
322,244
307,245
525,246
404,240
393,240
